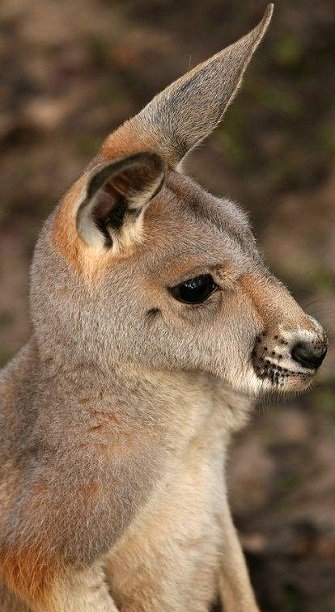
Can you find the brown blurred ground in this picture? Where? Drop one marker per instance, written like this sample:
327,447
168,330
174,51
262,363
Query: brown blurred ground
70,73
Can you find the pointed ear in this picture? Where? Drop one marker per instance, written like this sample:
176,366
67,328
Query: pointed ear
187,111
116,195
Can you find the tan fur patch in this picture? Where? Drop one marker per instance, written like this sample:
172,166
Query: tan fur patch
29,573
85,260
64,234
126,140
269,299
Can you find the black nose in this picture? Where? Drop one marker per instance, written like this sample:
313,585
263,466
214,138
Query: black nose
308,356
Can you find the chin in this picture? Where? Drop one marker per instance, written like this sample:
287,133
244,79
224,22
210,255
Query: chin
251,384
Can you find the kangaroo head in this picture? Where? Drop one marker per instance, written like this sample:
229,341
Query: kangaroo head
140,266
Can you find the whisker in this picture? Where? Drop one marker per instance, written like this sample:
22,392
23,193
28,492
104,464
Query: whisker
316,301
298,284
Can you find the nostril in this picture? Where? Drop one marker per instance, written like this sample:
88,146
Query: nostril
308,356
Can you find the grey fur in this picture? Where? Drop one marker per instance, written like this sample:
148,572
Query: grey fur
116,416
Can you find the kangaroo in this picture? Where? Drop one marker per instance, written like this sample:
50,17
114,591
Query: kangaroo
155,325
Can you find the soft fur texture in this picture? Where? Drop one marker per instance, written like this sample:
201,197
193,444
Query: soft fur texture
116,416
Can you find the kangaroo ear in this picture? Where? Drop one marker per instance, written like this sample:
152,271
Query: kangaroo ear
187,111
116,195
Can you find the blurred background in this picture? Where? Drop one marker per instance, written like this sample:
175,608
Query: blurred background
73,71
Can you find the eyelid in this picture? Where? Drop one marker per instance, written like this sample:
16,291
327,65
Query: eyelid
195,272
191,277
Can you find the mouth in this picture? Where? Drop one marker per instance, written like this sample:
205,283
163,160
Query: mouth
274,365
283,378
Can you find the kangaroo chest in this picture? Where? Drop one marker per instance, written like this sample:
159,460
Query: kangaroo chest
168,557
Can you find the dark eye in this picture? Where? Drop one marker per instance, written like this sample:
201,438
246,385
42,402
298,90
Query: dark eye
195,290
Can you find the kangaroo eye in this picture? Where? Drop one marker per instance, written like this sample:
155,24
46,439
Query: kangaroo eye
195,290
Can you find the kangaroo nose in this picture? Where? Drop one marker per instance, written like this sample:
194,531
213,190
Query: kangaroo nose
308,356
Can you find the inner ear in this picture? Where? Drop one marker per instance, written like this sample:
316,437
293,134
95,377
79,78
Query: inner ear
117,193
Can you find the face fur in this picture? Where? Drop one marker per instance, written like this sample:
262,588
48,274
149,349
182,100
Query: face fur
245,329
139,267
130,310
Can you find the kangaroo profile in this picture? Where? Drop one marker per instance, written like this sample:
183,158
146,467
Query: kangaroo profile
155,324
